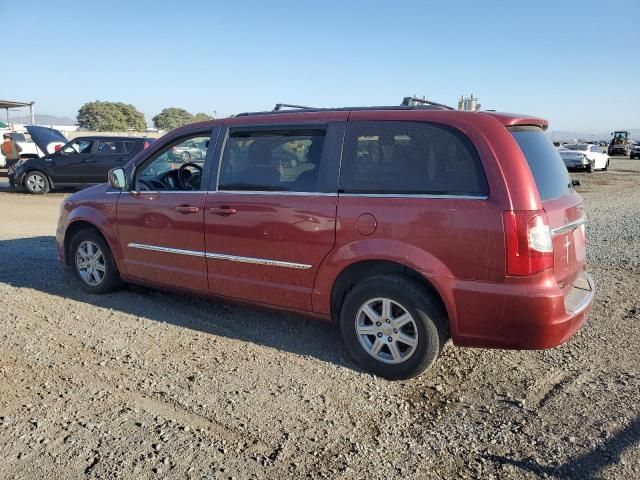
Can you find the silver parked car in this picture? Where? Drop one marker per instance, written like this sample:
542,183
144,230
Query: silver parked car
190,151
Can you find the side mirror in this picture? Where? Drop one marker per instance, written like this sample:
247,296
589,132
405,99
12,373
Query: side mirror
117,178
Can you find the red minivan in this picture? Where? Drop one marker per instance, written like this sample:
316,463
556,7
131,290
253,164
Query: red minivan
406,225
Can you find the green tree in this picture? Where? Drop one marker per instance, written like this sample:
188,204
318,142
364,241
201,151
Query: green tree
135,119
201,117
110,116
170,118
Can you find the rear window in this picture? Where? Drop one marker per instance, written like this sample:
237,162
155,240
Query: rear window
548,169
408,158
577,146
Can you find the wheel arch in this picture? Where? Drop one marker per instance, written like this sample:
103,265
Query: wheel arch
73,229
88,218
360,270
39,170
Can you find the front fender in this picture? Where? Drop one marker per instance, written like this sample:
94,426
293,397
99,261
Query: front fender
430,267
101,216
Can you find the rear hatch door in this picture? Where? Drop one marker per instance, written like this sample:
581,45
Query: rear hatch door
46,138
561,203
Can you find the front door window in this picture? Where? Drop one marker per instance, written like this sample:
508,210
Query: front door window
178,167
79,146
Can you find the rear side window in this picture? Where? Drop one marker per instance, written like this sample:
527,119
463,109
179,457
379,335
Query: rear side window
128,146
280,161
110,146
392,157
548,169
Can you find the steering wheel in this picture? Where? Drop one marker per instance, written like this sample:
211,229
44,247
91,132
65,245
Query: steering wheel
186,183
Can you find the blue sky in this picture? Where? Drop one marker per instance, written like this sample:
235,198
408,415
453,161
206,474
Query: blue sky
548,58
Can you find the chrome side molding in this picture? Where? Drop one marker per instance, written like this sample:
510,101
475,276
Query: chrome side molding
177,251
219,256
258,261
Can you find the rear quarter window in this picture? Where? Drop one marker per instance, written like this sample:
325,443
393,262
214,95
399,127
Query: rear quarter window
546,164
409,158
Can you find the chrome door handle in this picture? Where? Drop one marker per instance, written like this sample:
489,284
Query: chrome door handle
187,209
222,210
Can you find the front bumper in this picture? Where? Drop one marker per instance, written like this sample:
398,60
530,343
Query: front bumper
18,174
524,317
60,244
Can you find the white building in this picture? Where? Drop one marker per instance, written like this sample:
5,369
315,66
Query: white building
469,104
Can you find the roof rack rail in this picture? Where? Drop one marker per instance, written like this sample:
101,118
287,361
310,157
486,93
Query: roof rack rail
280,106
408,101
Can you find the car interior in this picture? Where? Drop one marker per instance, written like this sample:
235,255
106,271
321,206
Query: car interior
167,172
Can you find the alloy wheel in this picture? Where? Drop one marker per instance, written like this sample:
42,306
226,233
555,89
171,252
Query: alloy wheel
35,182
90,263
386,330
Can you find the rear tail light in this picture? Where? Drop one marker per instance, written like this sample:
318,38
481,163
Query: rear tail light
57,148
583,232
528,241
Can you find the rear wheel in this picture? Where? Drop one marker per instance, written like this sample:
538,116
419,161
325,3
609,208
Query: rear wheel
392,326
590,168
36,182
93,263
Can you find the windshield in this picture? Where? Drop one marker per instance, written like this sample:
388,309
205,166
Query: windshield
546,164
78,146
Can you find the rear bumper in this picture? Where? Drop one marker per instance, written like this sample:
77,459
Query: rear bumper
522,317
576,163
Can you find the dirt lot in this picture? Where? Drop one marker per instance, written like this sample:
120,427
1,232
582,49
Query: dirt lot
144,384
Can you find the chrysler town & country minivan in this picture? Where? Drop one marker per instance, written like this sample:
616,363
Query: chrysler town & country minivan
407,226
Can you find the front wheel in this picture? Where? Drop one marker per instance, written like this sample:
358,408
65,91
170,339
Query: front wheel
93,263
392,326
36,182
606,166
590,168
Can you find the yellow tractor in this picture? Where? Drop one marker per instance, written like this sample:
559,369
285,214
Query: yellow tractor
620,144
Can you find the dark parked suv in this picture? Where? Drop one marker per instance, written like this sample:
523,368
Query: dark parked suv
82,161
404,225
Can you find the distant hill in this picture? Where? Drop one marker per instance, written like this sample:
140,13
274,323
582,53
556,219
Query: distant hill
563,135
44,120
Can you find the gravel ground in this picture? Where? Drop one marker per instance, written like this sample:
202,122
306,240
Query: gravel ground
145,384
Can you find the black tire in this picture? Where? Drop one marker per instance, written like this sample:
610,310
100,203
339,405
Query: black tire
36,182
589,168
606,166
425,310
111,278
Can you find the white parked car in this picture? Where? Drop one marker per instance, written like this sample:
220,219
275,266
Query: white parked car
584,156
47,140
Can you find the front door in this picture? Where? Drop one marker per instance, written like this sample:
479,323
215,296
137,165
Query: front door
271,221
71,166
161,221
